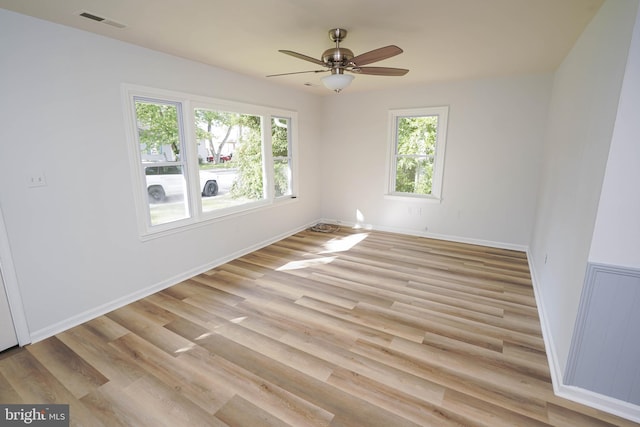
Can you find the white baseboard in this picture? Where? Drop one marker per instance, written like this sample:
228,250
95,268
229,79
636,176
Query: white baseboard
604,403
85,316
576,394
418,233
552,355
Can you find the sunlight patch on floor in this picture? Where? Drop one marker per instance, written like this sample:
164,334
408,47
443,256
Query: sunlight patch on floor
238,319
344,243
185,349
297,265
203,336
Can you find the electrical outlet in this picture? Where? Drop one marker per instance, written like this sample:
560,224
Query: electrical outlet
37,181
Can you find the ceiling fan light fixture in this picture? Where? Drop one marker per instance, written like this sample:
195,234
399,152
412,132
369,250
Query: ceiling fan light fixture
340,59
337,82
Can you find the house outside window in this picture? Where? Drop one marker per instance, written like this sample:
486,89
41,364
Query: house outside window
418,138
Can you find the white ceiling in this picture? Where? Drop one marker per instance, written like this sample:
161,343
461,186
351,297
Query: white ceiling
442,39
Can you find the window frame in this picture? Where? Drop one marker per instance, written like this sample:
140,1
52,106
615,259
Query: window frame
187,104
439,155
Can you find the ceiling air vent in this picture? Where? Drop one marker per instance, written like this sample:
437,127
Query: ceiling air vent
101,19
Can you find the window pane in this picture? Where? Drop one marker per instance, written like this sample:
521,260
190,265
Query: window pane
414,175
280,137
282,177
417,135
160,141
281,150
231,172
418,151
158,131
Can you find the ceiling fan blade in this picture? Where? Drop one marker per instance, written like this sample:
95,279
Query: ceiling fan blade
303,57
376,55
380,71
297,72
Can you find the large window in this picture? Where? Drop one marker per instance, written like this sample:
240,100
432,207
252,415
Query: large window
196,159
417,161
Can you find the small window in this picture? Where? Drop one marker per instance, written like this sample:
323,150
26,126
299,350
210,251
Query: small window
418,145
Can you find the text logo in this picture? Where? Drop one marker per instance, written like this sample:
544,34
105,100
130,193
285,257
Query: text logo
34,415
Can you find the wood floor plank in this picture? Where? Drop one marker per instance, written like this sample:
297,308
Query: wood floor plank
489,328
78,376
474,295
110,406
174,372
499,360
35,384
150,331
240,412
105,329
384,374
184,310
269,397
487,414
340,329
98,353
500,380
8,395
307,287
292,357
367,316
174,407
348,328
406,405
475,381
349,409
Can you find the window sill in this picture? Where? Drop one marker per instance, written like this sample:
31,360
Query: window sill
207,219
413,198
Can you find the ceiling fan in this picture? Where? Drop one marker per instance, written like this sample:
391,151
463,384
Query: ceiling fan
339,60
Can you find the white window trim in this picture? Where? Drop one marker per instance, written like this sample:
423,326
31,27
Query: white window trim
438,165
189,103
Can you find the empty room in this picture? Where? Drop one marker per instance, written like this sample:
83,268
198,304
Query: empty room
339,213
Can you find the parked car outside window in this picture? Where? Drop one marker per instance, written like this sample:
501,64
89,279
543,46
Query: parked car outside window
166,181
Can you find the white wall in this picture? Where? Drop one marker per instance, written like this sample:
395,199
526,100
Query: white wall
492,161
616,238
583,108
74,242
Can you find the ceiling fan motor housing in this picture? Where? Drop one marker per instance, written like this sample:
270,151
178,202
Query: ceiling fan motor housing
337,56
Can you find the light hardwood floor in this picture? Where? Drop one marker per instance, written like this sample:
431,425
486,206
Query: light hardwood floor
352,328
